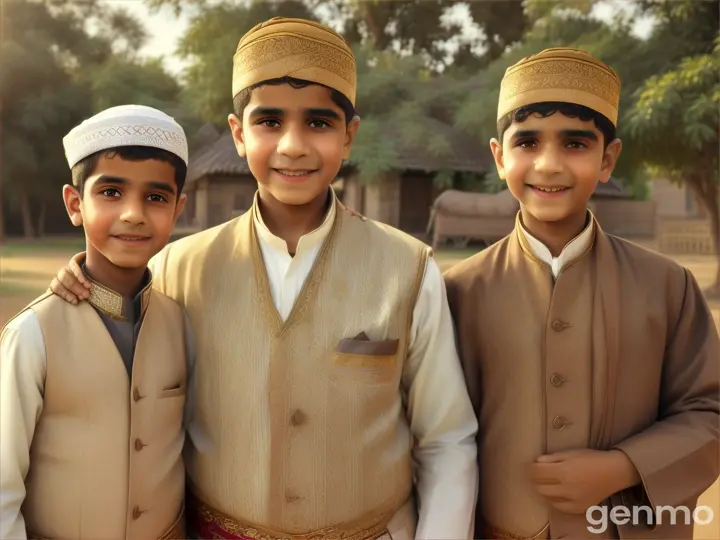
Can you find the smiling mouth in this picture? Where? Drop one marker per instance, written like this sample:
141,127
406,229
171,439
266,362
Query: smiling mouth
131,237
298,173
549,189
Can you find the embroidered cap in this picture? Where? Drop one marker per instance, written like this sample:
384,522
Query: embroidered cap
561,74
286,47
125,125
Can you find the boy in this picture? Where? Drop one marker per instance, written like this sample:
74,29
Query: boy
92,395
325,357
594,366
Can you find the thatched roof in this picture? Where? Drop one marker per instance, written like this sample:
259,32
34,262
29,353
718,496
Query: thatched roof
612,188
216,154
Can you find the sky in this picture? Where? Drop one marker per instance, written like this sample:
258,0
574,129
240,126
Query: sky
165,29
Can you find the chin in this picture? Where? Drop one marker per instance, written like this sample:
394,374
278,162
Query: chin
549,215
127,261
297,197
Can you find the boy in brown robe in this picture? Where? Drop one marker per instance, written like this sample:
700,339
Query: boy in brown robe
593,364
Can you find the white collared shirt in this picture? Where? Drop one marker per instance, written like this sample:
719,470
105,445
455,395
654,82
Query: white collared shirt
570,252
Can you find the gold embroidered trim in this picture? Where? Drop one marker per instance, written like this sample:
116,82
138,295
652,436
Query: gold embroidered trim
111,303
207,515
493,533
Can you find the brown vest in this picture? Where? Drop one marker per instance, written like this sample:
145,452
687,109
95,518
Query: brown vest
105,461
299,424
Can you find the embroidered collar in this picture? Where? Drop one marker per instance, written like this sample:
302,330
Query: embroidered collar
113,304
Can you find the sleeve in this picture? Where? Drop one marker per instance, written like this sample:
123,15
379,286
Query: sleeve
678,457
441,418
22,379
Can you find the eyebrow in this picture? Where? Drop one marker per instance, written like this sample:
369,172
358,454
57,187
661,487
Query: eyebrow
567,133
119,181
273,111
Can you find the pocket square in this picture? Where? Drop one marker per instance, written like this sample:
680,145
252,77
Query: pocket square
361,344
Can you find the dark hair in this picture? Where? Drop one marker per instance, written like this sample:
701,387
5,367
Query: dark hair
571,110
83,169
242,98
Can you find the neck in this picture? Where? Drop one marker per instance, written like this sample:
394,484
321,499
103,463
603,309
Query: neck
290,222
555,234
124,281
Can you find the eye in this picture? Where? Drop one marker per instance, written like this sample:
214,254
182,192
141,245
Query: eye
155,197
320,124
576,145
269,123
110,192
526,143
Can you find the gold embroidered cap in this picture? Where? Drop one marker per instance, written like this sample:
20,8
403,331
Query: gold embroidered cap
283,47
561,74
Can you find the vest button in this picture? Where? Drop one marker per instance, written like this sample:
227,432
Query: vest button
136,394
139,445
298,418
290,498
556,379
137,513
559,325
559,422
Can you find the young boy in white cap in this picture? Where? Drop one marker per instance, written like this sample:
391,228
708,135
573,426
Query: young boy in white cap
92,395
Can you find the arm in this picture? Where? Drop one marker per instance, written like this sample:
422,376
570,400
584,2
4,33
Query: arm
22,377
441,418
678,457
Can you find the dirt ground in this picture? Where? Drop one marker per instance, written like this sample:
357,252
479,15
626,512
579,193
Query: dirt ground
27,269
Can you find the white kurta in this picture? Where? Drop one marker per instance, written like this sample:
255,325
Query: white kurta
570,252
447,473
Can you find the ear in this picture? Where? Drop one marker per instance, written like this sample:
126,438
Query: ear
609,160
179,207
73,204
237,133
497,152
350,134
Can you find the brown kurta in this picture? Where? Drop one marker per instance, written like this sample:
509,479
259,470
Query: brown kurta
619,351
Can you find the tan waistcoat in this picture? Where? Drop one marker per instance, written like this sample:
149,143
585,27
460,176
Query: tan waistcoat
299,425
105,461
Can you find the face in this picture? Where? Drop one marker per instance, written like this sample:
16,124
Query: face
294,140
553,164
128,209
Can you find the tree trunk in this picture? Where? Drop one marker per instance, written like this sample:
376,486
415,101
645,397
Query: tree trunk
41,219
27,220
2,213
707,191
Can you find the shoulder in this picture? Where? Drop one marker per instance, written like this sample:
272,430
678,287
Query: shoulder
477,268
46,305
649,267
199,243
382,234
23,333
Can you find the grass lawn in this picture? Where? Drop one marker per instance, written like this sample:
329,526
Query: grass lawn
26,269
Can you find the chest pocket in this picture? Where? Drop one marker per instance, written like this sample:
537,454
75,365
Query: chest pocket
361,360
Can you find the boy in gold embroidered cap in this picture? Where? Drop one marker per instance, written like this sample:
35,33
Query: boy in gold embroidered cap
82,384
325,356
594,366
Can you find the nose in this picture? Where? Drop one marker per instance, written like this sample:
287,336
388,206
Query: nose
292,142
133,211
549,161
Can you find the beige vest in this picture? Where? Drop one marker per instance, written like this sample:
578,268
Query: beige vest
300,425
105,461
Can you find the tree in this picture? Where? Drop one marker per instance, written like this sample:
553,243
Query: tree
53,74
209,45
677,117
410,27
